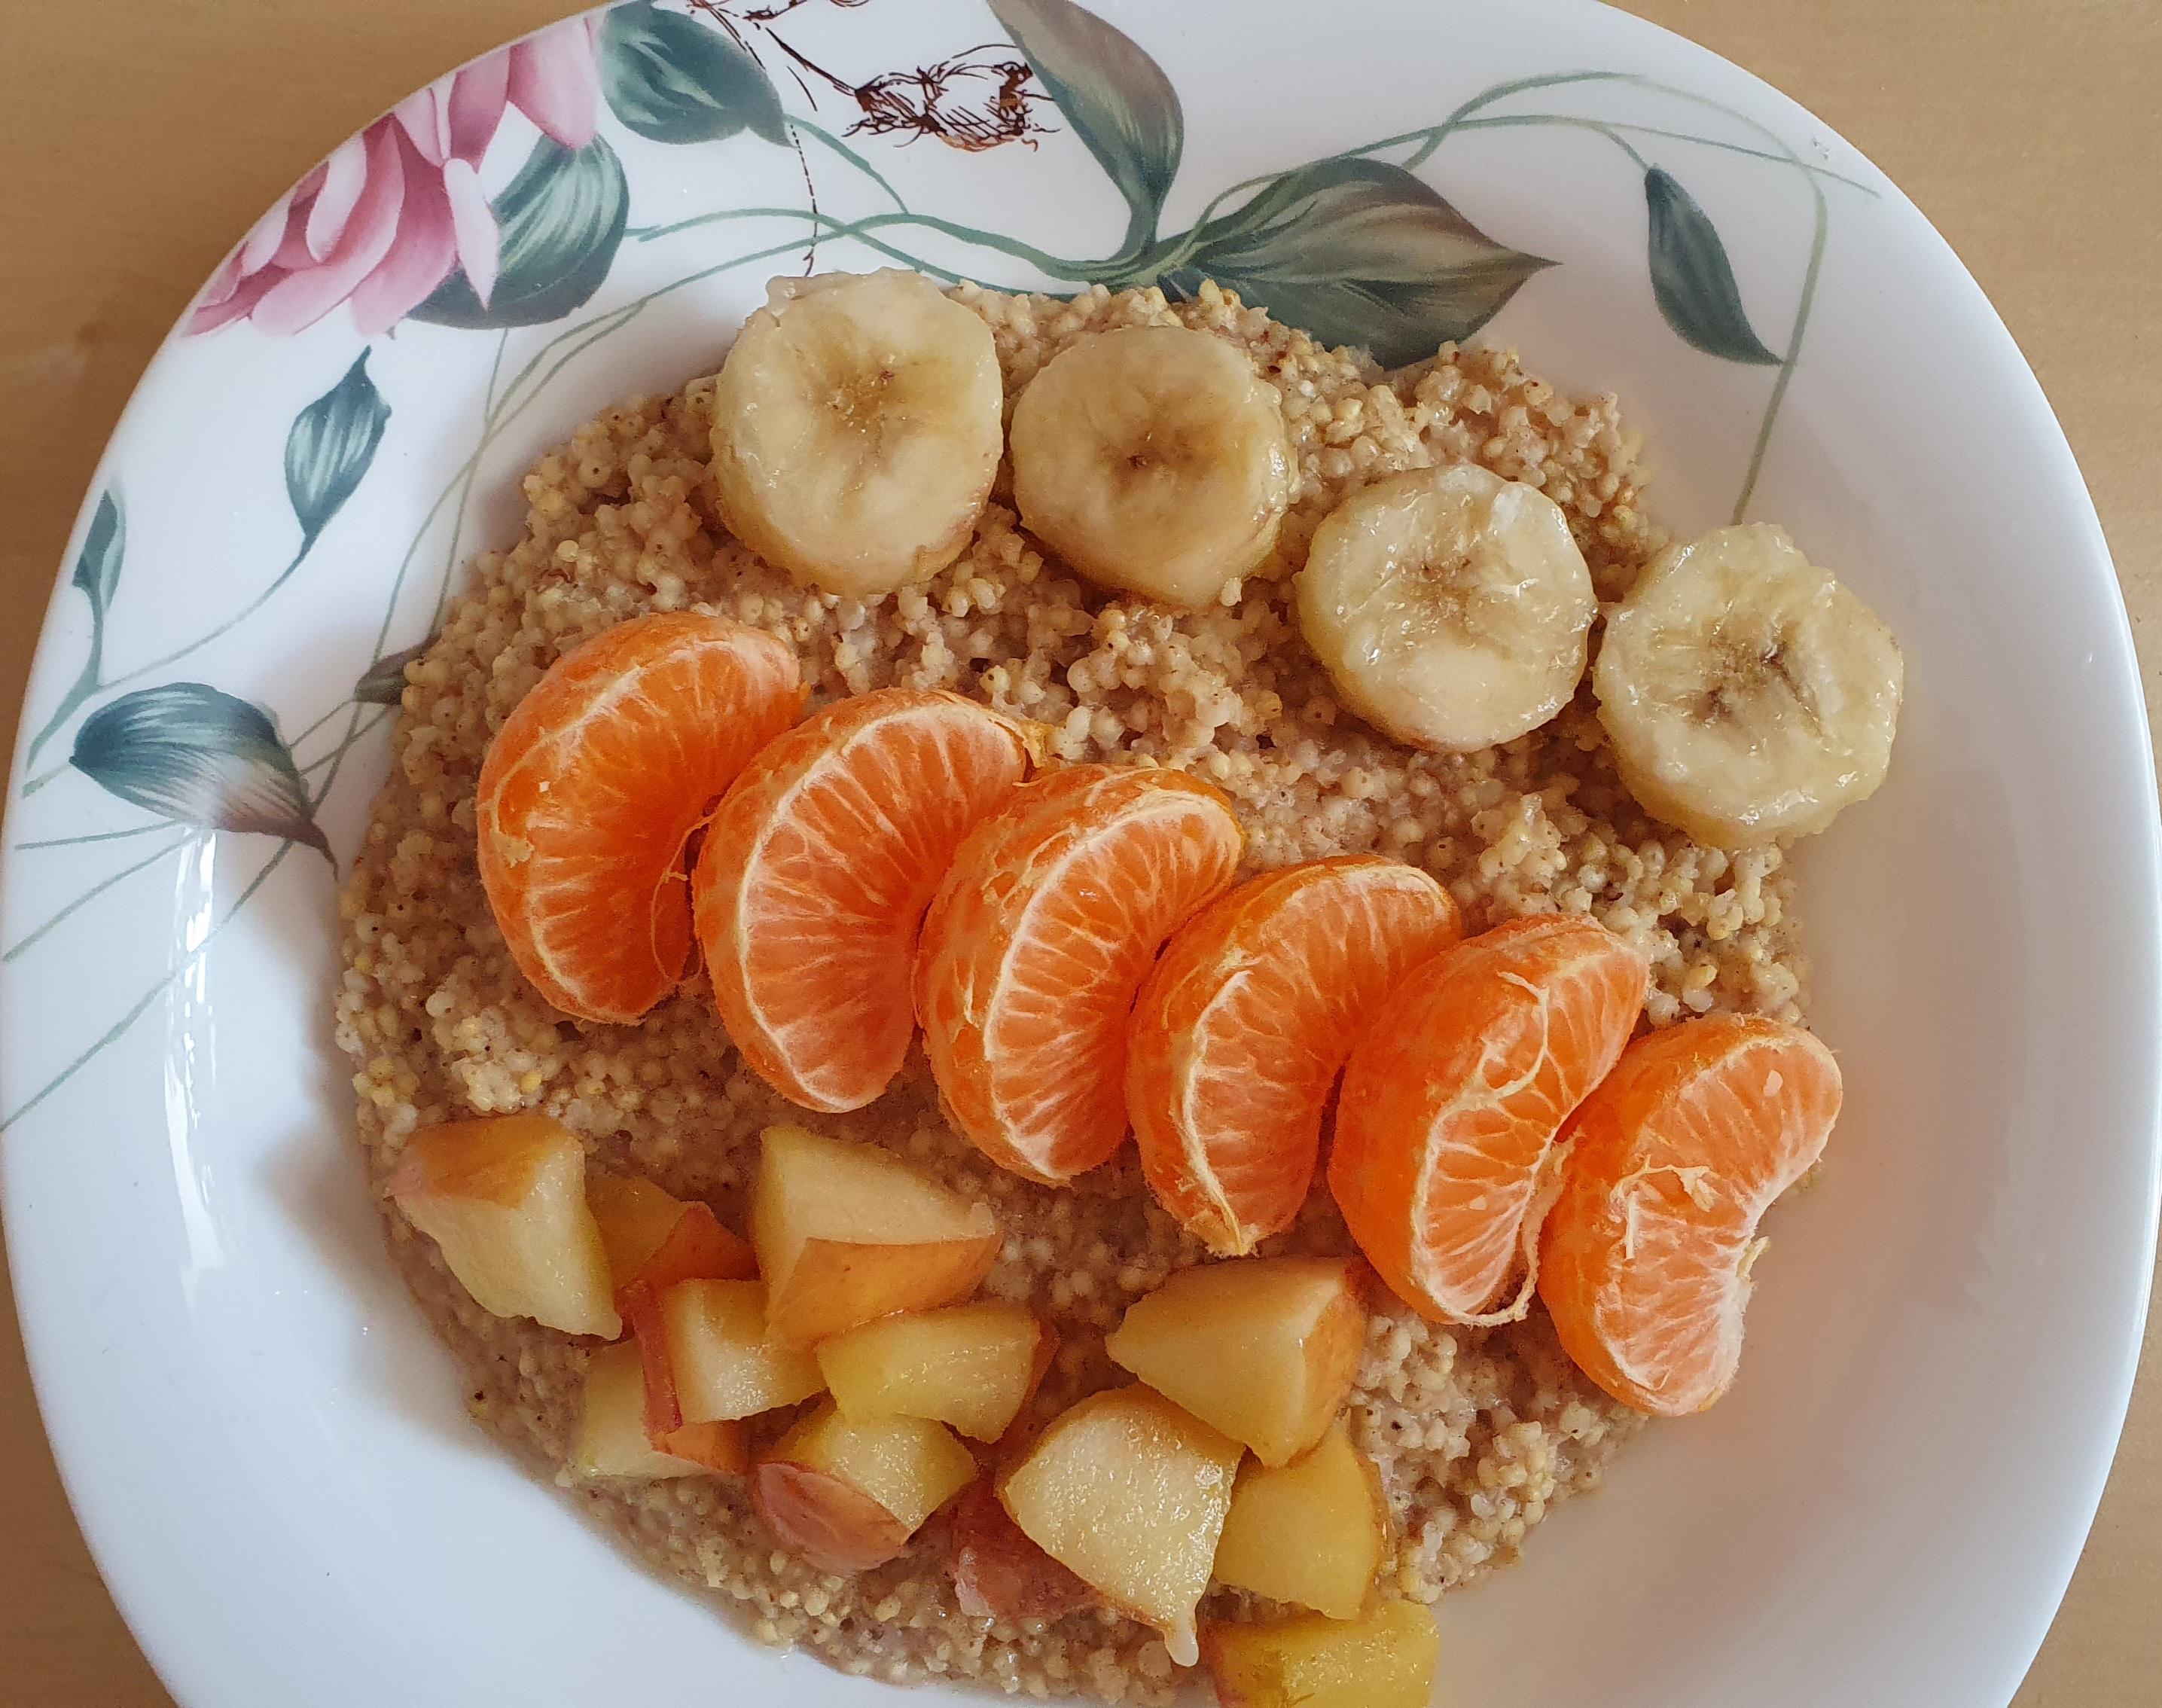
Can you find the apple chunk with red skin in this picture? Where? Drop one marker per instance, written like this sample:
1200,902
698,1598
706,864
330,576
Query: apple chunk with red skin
656,1239
708,1357
847,1496
1000,1573
503,1198
846,1233
1129,1492
612,1440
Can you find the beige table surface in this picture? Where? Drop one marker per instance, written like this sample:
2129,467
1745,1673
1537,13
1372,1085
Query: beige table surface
140,137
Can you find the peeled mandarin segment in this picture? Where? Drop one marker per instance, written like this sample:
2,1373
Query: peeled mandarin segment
1448,1114
815,873
593,786
1241,1031
1645,1262
1037,943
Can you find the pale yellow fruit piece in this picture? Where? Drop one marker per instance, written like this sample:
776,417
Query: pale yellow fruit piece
1129,1493
1264,1348
611,1440
634,1217
723,1362
1750,696
847,1233
1153,459
972,1367
504,1199
1311,1532
847,1495
857,429
1385,1660
1449,606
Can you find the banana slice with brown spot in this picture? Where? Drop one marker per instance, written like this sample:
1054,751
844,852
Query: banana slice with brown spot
857,429
1750,697
1153,459
1450,606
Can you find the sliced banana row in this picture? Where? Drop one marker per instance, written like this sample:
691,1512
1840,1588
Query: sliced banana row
1449,606
1749,696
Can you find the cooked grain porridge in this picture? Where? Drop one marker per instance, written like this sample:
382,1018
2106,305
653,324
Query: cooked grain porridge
1476,1433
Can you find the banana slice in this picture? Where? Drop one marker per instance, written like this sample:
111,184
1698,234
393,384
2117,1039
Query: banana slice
1749,696
1450,606
1153,459
857,429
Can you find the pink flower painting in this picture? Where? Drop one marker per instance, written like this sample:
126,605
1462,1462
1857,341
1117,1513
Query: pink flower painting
396,210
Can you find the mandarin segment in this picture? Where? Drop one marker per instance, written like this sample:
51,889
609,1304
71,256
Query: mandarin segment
1448,1114
815,874
1239,1033
1646,1260
592,787
1037,943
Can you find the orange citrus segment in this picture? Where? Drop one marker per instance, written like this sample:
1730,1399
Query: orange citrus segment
1450,1106
815,873
1241,1031
1645,1260
1039,939
595,783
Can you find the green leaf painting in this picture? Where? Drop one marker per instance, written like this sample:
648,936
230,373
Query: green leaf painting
672,80
1115,96
1692,280
199,757
330,444
97,565
1363,252
562,220
382,684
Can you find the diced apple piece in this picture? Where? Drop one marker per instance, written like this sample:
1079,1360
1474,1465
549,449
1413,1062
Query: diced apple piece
612,1440
1264,1347
846,1233
708,1356
847,1495
1311,1532
719,1444
998,1572
658,1238
1385,1660
635,1216
972,1367
505,1198
1129,1492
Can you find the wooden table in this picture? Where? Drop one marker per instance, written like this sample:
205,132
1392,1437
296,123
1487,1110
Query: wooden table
138,137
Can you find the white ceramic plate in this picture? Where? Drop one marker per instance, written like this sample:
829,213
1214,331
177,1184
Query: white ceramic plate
265,1447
